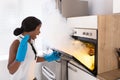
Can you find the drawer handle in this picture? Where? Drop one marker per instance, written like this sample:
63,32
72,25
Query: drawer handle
48,73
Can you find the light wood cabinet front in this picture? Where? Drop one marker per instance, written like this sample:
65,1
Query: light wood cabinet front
108,40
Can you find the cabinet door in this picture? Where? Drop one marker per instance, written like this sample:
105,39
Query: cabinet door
108,41
83,22
75,73
51,70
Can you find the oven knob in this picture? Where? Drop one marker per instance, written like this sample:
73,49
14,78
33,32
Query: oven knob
90,34
87,33
74,32
84,33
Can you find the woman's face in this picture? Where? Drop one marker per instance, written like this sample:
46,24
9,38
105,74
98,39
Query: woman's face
33,34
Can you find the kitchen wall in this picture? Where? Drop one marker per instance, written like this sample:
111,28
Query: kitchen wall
9,11
100,6
116,6
4,74
8,20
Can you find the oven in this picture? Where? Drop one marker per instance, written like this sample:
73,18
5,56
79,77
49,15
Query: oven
86,56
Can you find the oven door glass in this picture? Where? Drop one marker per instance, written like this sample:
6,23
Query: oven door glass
86,54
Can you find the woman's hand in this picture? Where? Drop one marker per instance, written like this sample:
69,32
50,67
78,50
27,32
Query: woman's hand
52,56
22,49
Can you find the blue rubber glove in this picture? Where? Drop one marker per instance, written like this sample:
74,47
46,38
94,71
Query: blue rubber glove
52,56
22,48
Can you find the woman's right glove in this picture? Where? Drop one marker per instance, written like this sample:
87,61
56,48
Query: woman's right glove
22,49
52,56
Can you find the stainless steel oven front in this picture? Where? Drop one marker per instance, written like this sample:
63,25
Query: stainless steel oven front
87,55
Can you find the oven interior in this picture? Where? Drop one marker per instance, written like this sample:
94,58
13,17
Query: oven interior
87,56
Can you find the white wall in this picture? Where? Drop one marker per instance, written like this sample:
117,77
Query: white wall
9,11
4,74
116,6
100,6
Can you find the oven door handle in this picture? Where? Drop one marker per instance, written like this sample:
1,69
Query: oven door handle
48,73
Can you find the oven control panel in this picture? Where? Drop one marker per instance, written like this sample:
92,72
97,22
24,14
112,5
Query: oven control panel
86,33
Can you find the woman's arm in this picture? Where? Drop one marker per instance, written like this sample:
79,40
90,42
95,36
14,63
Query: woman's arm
53,56
13,65
40,59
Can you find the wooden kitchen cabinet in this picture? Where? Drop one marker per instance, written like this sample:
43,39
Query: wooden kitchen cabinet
108,40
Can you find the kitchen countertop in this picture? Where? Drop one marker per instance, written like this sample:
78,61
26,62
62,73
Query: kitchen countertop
110,75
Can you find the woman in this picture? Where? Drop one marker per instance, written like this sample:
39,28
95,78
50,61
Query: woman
22,53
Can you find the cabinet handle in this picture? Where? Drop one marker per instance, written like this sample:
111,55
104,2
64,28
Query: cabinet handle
73,69
48,73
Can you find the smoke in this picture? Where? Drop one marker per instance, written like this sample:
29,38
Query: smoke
55,32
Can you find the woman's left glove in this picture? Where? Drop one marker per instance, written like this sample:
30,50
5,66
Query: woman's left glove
52,56
22,49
